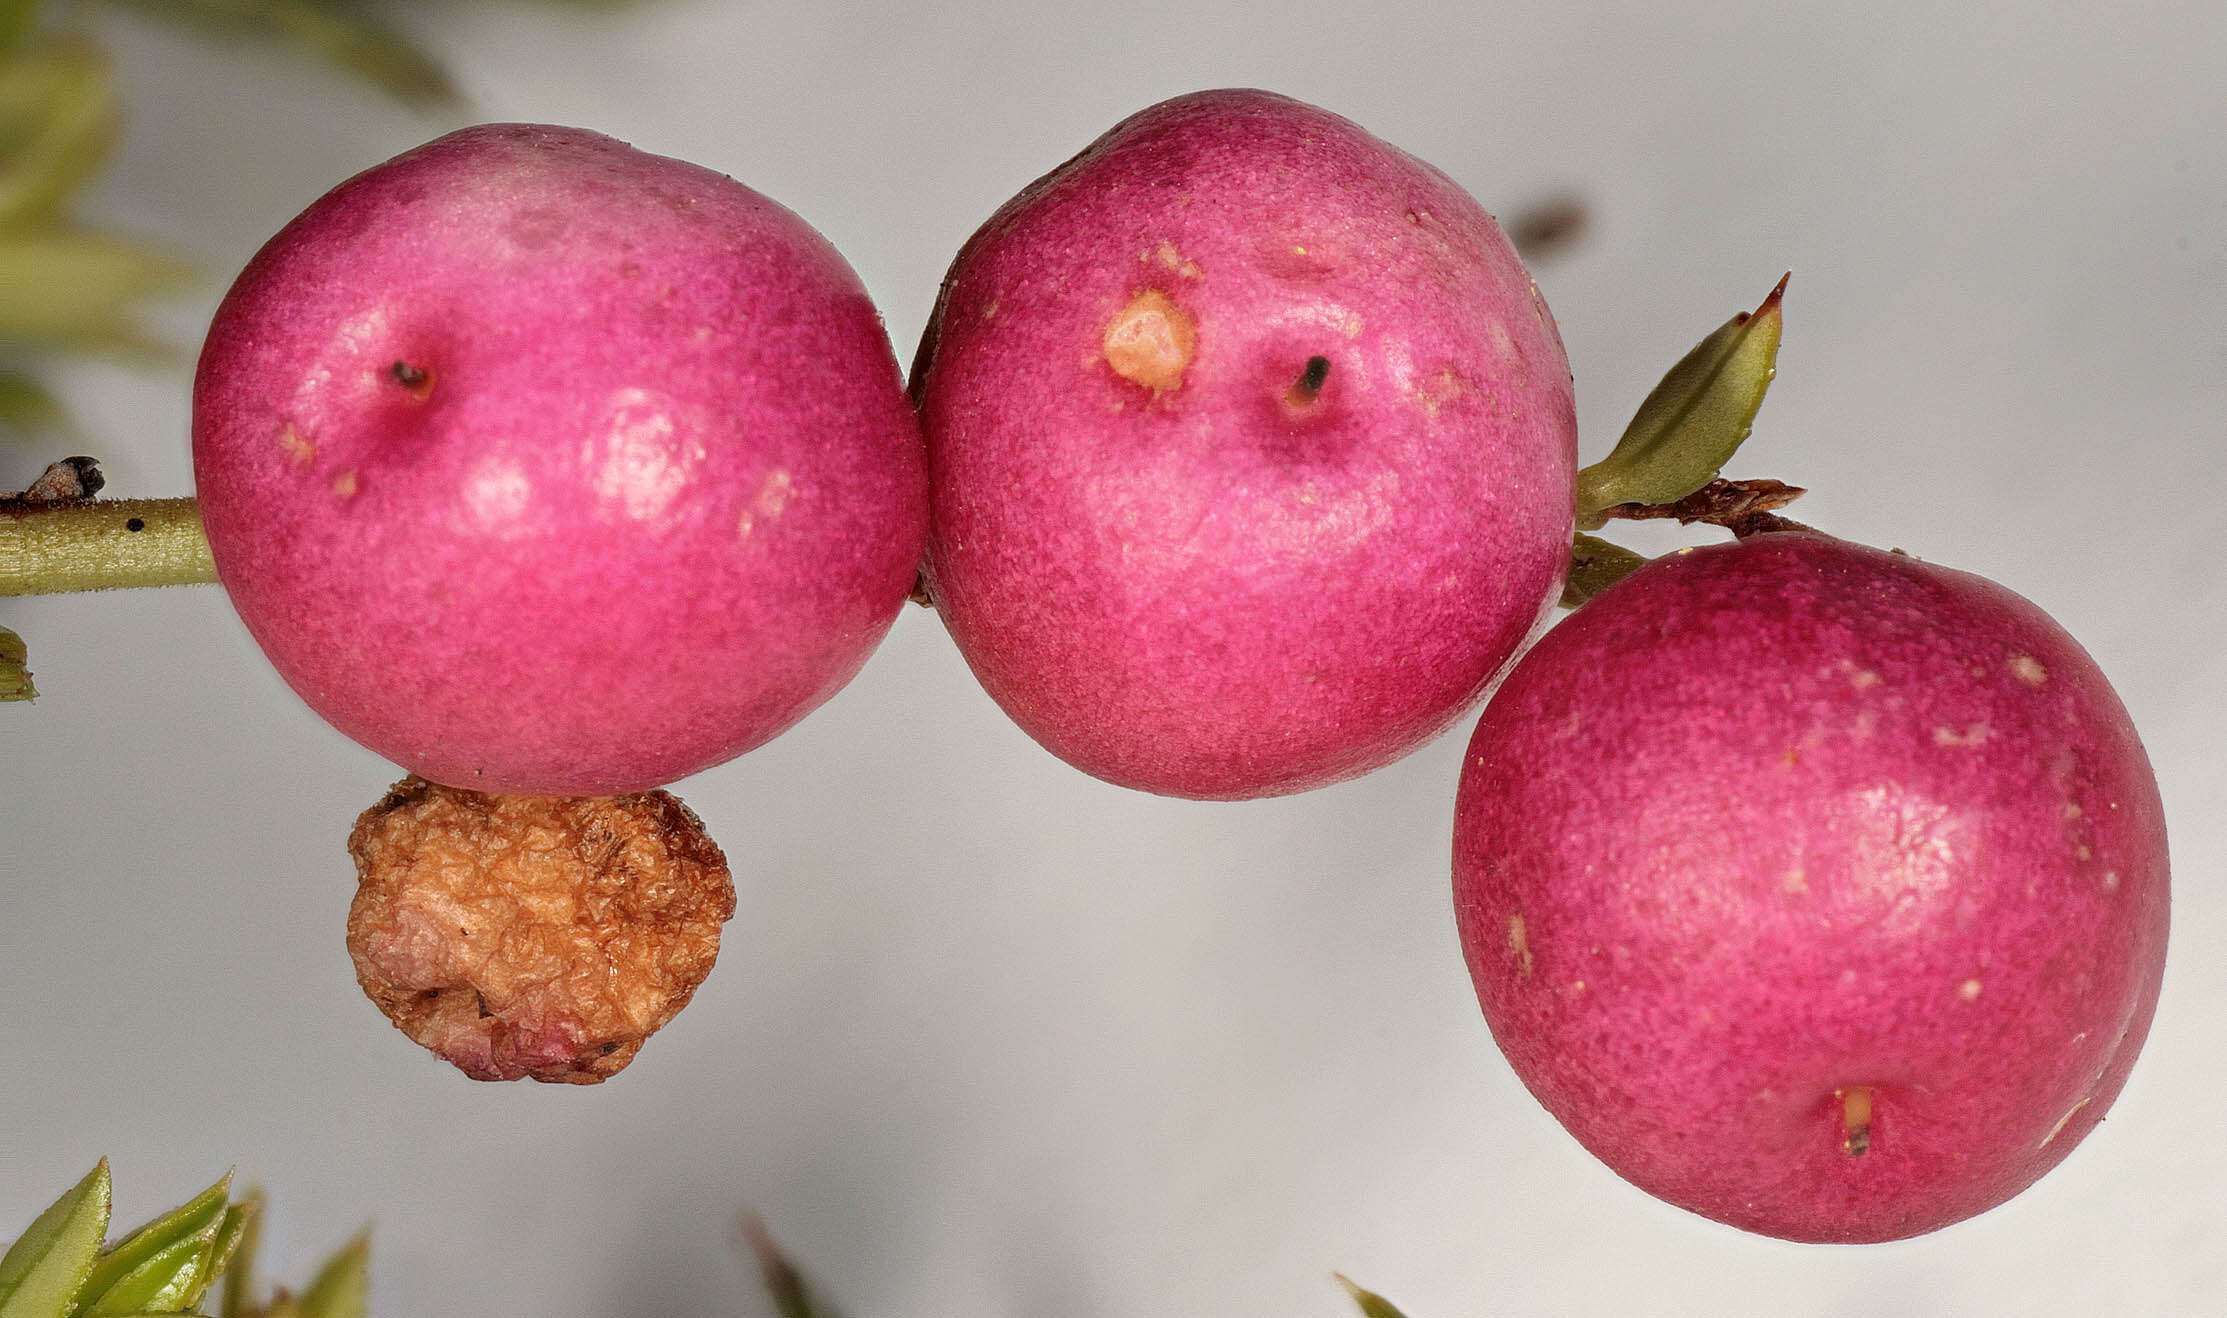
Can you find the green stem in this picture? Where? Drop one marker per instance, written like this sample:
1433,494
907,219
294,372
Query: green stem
101,544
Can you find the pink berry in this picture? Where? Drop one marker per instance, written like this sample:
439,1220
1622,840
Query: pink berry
540,464
1815,889
1251,450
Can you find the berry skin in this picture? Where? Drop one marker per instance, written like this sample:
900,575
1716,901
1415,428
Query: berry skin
1815,889
1251,451
540,464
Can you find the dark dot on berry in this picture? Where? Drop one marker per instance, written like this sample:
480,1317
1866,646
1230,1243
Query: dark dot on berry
1308,387
135,524
409,376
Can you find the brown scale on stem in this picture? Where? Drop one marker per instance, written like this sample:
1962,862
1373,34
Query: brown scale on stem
1744,508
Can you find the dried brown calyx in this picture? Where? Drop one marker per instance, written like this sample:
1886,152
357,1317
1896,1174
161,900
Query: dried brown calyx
533,937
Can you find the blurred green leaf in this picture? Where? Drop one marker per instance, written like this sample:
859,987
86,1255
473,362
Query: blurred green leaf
1690,425
147,1267
28,407
43,1270
342,1286
15,684
239,1278
1372,1304
231,1228
792,1296
17,18
339,33
76,289
58,118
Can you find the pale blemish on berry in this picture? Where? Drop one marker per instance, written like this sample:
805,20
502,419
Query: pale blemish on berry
1968,990
345,484
1796,880
2110,880
773,496
1447,386
1974,734
299,450
1519,946
642,459
1864,679
1167,255
496,494
2029,669
2062,1122
1150,342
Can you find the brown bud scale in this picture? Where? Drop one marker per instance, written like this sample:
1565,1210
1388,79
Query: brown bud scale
533,937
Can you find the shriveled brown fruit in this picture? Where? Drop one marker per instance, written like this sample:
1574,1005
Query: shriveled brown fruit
533,937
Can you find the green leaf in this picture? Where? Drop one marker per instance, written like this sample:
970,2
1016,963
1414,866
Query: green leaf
342,1285
28,407
15,684
77,289
1693,422
159,1282
41,1273
341,34
231,1228
17,18
58,118
148,1265
1372,1304
239,1278
1595,565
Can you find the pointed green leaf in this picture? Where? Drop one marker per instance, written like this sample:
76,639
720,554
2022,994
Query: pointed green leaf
1372,1304
1693,422
158,1283
124,1267
77,289
15,684
239,1278
341,34
230,1229
58,118
43,1270
1595,565
342,1286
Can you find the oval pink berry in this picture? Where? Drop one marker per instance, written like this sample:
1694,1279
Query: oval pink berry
543,465
1251,449
1815,889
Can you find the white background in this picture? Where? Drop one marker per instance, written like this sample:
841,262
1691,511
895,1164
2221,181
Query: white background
989,1037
